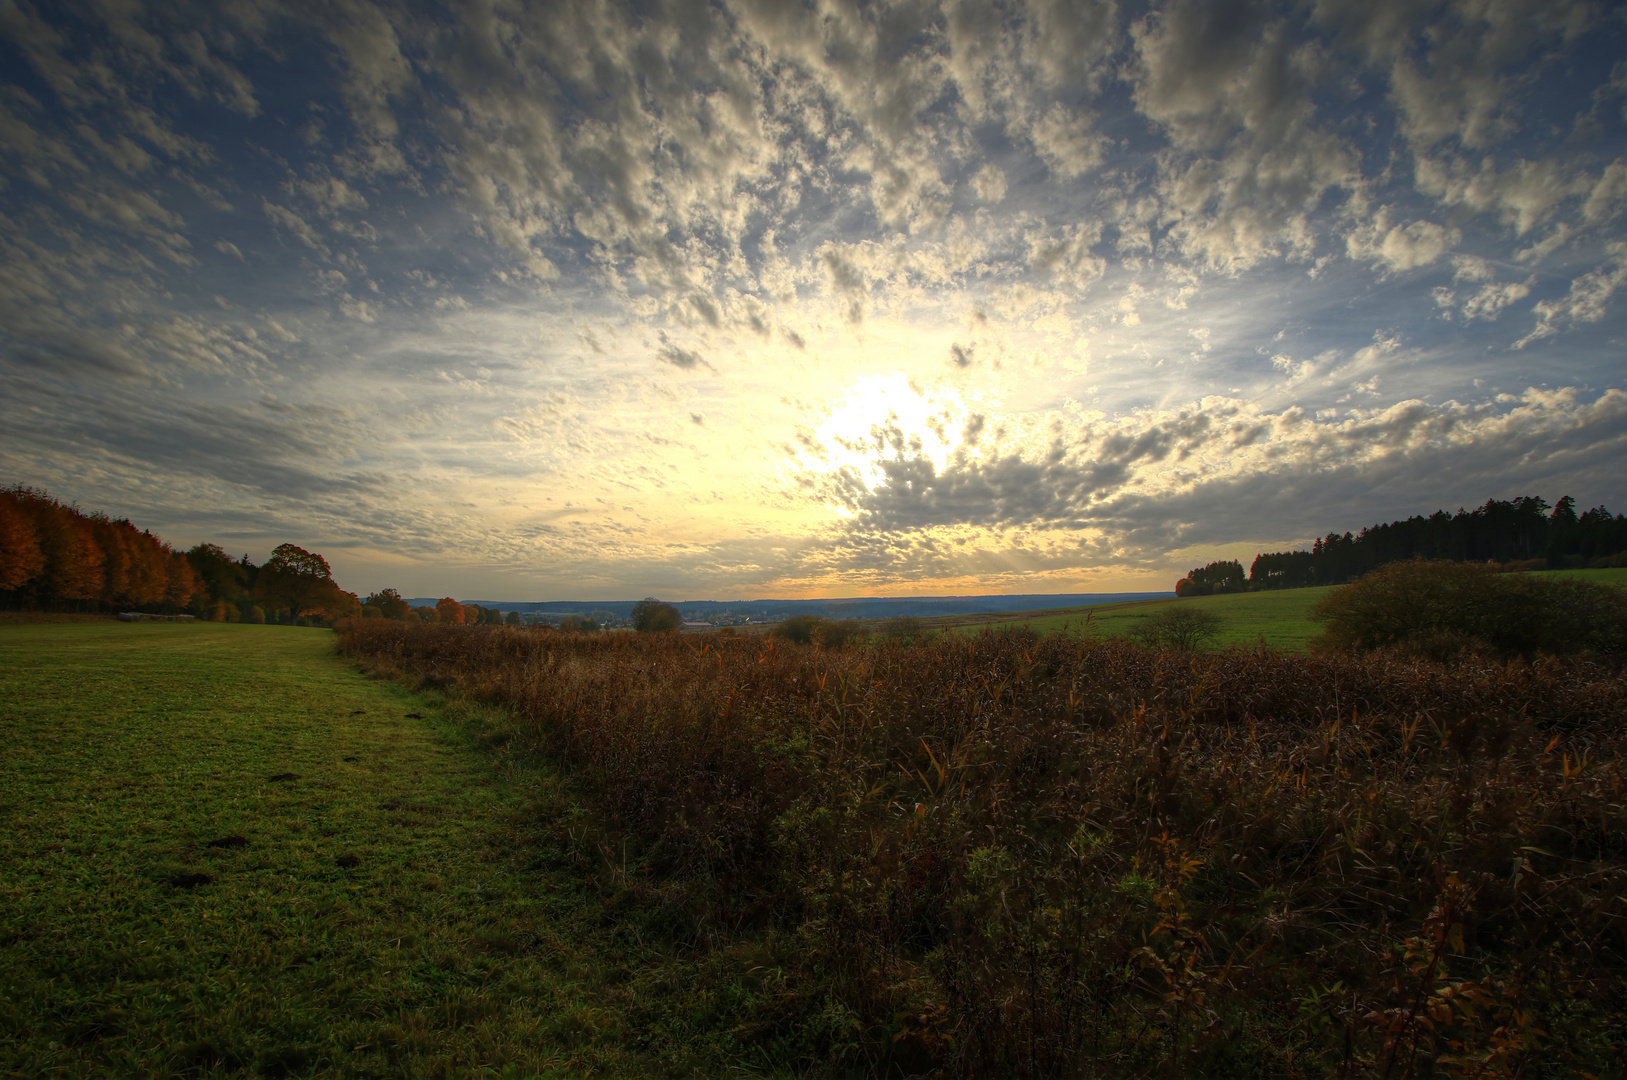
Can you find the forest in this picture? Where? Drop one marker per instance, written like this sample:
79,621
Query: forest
1521,534
56,557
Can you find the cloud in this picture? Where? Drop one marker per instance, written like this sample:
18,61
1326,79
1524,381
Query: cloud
1587,300
681,358
1399,247
1143,485
1494,297
292,223
990,183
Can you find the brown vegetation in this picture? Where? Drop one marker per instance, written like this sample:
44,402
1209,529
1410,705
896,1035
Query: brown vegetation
1046,857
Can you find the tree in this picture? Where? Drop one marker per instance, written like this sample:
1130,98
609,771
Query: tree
651,616
1178,626
21,560
1225,576
449,611
73,561
388,603
224,579
183,583
513,619
295,579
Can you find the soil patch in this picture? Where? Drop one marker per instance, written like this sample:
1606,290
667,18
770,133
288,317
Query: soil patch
189,881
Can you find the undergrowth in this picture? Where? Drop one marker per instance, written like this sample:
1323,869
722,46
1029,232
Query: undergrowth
1046,857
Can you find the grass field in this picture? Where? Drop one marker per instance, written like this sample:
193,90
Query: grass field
224,850
1279,618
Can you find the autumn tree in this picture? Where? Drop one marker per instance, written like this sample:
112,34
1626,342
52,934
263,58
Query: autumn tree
449,611
73,561
295,580
388,603
21,559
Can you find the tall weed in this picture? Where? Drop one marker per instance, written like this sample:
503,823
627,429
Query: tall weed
1047,857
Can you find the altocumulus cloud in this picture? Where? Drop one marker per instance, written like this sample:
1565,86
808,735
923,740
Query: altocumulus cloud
1049,294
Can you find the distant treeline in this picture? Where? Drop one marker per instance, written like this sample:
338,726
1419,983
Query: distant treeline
1525,533
55,557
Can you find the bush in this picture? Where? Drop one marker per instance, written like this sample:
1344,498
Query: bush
839,633
798,628
1438,609
582,622
1178,626
905,629
651,616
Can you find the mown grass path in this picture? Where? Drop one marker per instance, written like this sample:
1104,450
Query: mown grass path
223,851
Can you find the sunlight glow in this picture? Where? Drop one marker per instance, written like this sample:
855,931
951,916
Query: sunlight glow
883,417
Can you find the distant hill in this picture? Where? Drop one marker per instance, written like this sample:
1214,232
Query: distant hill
860,607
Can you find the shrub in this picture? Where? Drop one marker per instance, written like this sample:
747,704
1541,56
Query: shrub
839,633
1178,626
905,629
1436,609
798,628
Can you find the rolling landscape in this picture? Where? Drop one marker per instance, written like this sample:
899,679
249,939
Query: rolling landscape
571,538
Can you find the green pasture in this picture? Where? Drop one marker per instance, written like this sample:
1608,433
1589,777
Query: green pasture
1278,618
226,852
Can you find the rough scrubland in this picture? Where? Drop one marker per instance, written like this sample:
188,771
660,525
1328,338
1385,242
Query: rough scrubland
1007,854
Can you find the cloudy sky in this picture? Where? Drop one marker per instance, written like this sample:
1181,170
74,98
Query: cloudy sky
744,298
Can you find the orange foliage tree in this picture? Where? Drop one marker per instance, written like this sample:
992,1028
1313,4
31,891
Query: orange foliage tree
53,555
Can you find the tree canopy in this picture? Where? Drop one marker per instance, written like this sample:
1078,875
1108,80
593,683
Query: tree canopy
653,616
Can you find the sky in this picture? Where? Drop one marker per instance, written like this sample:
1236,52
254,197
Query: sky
569,301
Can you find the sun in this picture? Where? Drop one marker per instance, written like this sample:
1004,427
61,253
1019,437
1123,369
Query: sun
881,417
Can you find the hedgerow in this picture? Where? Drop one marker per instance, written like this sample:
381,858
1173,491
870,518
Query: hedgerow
1048,857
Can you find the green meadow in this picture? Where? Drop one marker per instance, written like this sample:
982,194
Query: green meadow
1279,619
225,851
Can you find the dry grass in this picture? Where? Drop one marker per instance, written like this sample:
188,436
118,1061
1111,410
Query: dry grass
1047,857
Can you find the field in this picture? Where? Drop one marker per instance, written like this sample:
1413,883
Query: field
1005,854
511,852
225,850
1278,618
